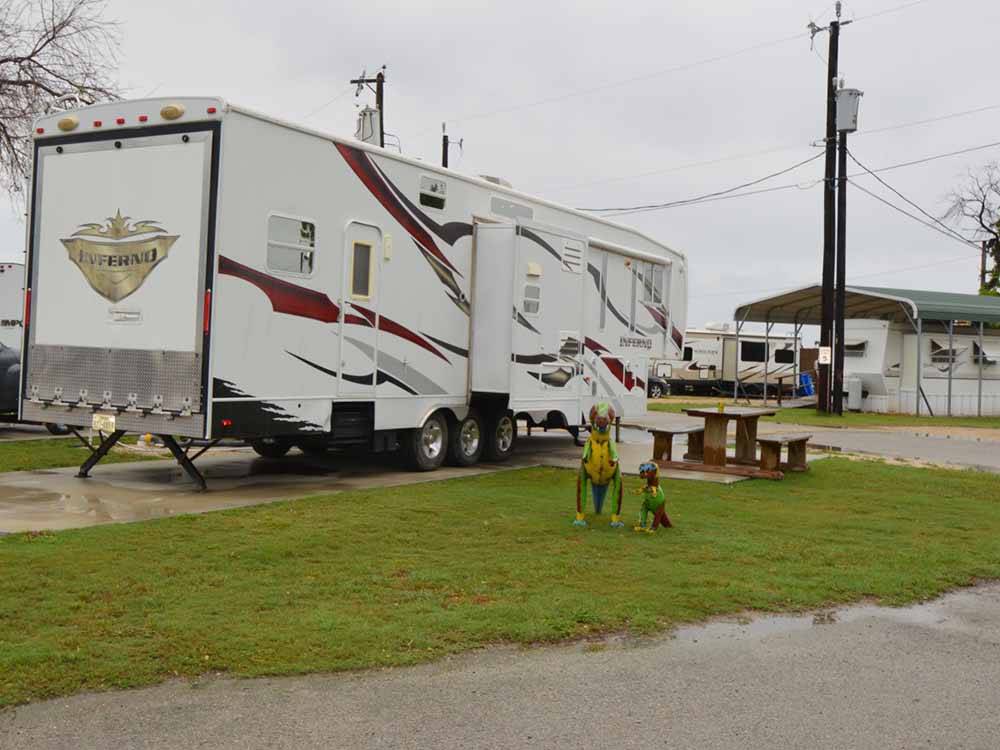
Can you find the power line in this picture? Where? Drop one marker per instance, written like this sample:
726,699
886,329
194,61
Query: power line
775,149
894,207
323,106
727,194
885,184
630,209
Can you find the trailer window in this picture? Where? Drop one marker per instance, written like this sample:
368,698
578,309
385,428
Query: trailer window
290,244
688,354
433,192
657,284
532,299
753,351
361,271
784,356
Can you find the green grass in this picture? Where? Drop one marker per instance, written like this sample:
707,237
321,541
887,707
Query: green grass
813,418
29,455
402,575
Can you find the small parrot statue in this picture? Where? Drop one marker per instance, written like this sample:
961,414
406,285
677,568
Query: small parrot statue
653,500
599,467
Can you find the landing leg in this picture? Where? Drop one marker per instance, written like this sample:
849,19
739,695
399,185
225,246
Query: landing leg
97,454
184,461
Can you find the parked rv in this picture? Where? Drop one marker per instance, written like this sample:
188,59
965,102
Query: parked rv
197,269
880,366
11,304
711,357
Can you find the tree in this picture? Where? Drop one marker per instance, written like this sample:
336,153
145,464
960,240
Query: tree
978,202
50,51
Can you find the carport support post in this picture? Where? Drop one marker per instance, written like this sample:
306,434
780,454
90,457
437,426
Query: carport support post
951,359
767,353
795,359
736,368
982,356
920,368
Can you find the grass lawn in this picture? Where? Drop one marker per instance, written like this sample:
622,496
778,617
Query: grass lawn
401,575
852,419
28,455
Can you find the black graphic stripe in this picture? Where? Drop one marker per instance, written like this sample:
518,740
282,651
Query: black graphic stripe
380,376
596,276
525,232
448,347
533,359
524,321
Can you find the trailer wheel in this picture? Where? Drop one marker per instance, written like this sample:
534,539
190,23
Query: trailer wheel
271,447
465,443
427,446
501,434
56,428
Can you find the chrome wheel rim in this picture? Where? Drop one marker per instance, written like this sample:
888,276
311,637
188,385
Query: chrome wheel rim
655,391
432,439
505,434
469,437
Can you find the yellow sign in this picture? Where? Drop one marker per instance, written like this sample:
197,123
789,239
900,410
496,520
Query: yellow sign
116,258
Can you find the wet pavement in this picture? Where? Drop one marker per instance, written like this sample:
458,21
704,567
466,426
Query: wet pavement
858,677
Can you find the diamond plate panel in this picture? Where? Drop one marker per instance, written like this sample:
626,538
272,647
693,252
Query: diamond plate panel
173,376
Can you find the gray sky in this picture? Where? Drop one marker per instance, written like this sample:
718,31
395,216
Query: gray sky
615,104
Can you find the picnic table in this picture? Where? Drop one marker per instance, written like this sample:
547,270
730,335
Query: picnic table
716,423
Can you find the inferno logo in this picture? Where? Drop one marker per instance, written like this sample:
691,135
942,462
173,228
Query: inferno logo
117,257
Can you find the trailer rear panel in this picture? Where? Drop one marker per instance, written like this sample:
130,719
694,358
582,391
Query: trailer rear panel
120,243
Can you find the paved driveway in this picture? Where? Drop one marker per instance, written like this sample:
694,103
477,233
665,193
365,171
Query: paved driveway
864,677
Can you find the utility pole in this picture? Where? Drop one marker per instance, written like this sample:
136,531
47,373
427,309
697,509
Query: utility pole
379,81
829,208
841,293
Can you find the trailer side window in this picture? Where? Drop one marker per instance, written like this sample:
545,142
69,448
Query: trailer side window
291,244
784,356
688,354
361,271
532,299
753,351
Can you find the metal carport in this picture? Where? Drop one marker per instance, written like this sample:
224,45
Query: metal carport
801,307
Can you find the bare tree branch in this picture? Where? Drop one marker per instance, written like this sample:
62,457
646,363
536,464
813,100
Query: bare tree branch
48,49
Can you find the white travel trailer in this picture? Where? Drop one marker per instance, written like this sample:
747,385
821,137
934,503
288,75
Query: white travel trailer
880,357
196,269
11,304
712,356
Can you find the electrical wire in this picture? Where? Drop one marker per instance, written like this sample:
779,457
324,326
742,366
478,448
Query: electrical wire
323,106
949,234
631,209
885,184
726,194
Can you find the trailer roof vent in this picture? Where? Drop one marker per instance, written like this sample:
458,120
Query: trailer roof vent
495,180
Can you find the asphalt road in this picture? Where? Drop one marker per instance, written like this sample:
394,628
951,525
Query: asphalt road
863,677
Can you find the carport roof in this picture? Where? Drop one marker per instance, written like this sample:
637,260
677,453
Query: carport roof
804,306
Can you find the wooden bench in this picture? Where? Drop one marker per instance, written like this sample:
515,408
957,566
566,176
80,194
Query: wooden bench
663,442
770,452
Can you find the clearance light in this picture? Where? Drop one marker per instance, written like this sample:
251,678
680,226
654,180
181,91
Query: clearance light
97,123
143,118
212,110
39,130
227,423
172,111
120,121
207,312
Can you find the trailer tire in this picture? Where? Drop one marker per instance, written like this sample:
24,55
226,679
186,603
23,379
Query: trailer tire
465,442
501,435
271,447
55,428
427,445
315,447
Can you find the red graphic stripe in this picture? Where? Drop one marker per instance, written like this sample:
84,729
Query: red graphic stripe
658,316
392,327
285,297
615,365
358,161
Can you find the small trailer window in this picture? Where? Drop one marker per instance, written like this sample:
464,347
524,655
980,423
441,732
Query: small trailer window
855,348
290,244
433,192
361,271
784,356
532,299
688,354
753,351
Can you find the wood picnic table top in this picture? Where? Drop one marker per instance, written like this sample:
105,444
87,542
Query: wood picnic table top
733,412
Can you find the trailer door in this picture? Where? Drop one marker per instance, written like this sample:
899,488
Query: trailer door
547,339
359,343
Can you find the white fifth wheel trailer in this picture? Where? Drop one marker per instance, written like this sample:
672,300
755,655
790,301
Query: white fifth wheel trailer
711,356
196,269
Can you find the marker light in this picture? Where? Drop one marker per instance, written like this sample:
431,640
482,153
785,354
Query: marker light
227,423
212,110
120,121
143,118
39,130
97,123
172,111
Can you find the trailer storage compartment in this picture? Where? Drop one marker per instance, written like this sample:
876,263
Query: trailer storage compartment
117,300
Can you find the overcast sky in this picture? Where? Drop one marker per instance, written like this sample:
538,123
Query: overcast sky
620,104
